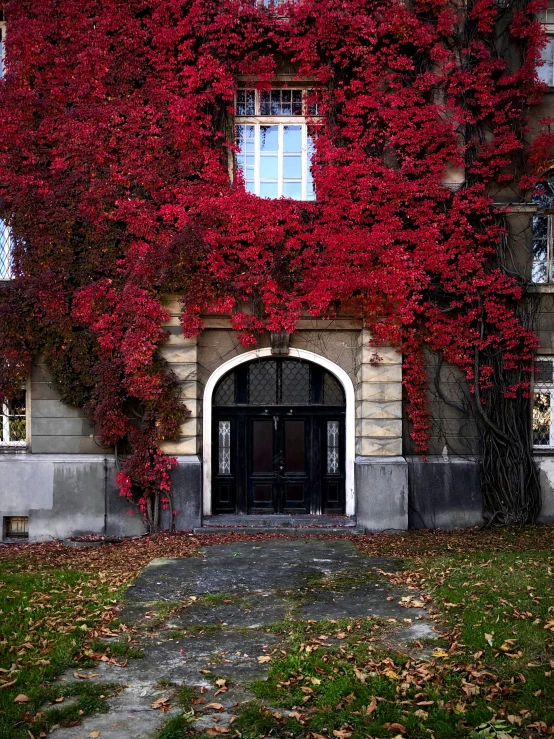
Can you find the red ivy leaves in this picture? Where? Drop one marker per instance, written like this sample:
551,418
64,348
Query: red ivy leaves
114,171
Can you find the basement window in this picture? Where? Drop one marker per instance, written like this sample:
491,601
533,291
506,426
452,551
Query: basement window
16,527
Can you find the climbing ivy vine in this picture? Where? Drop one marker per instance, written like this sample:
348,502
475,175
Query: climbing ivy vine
115,178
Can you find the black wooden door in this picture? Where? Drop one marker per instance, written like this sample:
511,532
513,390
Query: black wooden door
278,464
285,455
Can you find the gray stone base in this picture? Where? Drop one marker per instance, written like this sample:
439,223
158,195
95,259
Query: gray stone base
546,471
68,495
382,493
444,493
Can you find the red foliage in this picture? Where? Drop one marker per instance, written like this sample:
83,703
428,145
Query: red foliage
114,174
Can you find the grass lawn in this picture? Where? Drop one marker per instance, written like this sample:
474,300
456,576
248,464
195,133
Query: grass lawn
491,595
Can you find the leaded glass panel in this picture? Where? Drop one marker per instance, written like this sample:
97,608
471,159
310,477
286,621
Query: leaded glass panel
262,383
332,390
543,397
225,392
225,447
295,383
332,447
6,246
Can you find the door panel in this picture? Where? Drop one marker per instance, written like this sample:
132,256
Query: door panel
294,465
262,465
262,447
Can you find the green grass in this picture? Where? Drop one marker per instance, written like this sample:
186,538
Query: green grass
323,684
44,620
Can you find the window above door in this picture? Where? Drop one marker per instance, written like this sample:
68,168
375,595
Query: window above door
271,382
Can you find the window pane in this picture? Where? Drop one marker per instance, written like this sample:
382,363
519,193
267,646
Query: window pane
541,419
332,447
245,140
268,167
269,138
5,251
262,383
292,167
268,190
540,249
246,102
292,190
295,383
292,138
543,370
225,393
224,447
546,70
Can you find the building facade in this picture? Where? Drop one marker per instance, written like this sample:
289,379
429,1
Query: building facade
307,424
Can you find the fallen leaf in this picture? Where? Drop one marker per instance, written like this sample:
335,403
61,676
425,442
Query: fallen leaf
215,706
94,734
21,698
264,658
372,706
488,639
395,727
342,733
82,676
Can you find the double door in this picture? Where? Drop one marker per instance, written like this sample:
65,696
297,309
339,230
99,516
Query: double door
279,460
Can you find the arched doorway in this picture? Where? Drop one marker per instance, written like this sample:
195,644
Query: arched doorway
278,436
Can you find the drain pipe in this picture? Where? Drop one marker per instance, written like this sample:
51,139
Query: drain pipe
105,496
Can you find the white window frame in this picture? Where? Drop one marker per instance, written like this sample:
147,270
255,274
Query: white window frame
257,121
5,420
544,387
547,19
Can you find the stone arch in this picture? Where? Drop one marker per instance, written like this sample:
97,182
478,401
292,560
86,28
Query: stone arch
350,423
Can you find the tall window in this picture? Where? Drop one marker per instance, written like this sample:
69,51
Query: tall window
546,71
2,40
275,149
543,400
13,427
5,236
543,232
6,245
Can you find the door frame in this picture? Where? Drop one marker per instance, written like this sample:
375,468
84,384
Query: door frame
350,419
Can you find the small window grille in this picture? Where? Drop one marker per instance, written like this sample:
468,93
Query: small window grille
16,527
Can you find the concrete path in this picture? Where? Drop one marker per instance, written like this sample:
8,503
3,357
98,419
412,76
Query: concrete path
205,618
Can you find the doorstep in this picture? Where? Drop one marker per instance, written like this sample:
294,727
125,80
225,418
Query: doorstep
285,524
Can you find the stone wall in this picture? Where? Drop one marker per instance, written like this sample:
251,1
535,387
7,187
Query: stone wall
378,385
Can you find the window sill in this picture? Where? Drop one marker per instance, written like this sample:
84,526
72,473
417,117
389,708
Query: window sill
546,288
7,448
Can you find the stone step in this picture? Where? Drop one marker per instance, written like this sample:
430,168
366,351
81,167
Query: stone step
285,530
292,524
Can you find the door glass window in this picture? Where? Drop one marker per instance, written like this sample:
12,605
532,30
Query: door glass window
279,382
295,383
262,383
332,447
225,447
